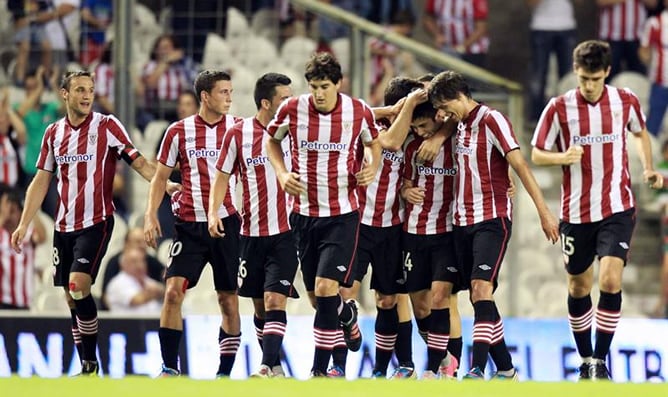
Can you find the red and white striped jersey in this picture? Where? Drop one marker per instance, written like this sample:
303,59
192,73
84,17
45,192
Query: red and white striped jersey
104,81
600,184
483,140
622,21
9,161
265,206
380,201
195,146
434,214
457,19
325,151
85,157
170,84
655,36
17,271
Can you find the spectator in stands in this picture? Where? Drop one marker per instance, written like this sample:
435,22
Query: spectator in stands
17,271
28,31
104,82
383,11
168,73
37,115
61,17
552,32
620,23
385,56
459,27
132,290
95,19
12,138
654,53
134,239
330,30
191,27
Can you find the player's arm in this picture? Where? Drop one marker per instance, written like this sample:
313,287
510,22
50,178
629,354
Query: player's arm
410,193
548,157
34,198
216,196
393,138
155,194
521,168
644,148
371,163
289,180
147,169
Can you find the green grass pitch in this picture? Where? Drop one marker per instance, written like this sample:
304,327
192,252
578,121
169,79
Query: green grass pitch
146,387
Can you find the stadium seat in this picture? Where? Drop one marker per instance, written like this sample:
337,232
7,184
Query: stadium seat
257,53
153,134
341,49
568,82
51,301
296,74
297,50
636,82
217,53
264,23
237,25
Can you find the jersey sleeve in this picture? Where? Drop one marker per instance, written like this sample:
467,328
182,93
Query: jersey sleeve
278,126
480,10
227,161
502,134
46,160
548,128
119,139
636,116
369,130
168,152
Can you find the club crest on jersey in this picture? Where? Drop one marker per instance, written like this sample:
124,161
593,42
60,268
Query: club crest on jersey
92,139
190,139
347,126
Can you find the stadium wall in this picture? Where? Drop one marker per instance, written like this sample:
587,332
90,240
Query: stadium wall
542,349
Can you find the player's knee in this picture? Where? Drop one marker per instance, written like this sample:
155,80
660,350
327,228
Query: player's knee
386,301
275,301
76,291
610,283
229,303
174,295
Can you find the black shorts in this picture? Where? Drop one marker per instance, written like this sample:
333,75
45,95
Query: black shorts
267,264
481,248
581,242
326,247
193,248
80,251
430,258
380,247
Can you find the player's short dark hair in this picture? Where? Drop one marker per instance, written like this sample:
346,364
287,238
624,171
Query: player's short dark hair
592,55
207,79
69,76
398,88
426,78
323,66
265,86
424,110
13,195
447,86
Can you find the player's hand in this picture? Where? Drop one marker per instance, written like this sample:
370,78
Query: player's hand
550,226
573,155
414,195
172,188
417,97
429,148
396,108
511,187
653,179
152,230
17,238
216,229
291,184
366,175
